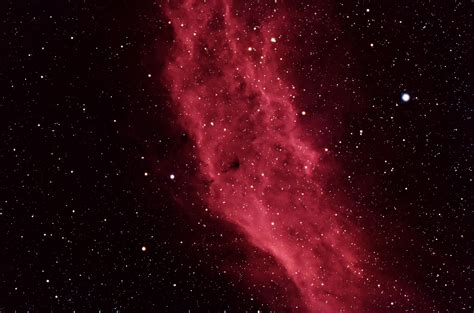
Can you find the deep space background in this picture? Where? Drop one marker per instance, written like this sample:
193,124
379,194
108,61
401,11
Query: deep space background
90,220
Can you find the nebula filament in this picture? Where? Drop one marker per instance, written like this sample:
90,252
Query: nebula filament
238,105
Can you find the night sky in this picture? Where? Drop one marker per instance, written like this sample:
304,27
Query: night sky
224,155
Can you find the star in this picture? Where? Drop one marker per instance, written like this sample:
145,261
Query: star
405,97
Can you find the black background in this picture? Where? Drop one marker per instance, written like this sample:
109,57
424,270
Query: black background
78,112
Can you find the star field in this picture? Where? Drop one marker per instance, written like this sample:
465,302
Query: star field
211,156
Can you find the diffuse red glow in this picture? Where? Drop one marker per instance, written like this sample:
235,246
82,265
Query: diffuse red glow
230,96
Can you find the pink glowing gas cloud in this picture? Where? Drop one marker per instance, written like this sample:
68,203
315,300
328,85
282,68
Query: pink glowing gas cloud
225,79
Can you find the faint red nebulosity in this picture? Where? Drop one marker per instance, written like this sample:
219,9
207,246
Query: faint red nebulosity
224,75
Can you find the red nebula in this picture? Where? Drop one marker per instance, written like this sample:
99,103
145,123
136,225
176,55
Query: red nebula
224,75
